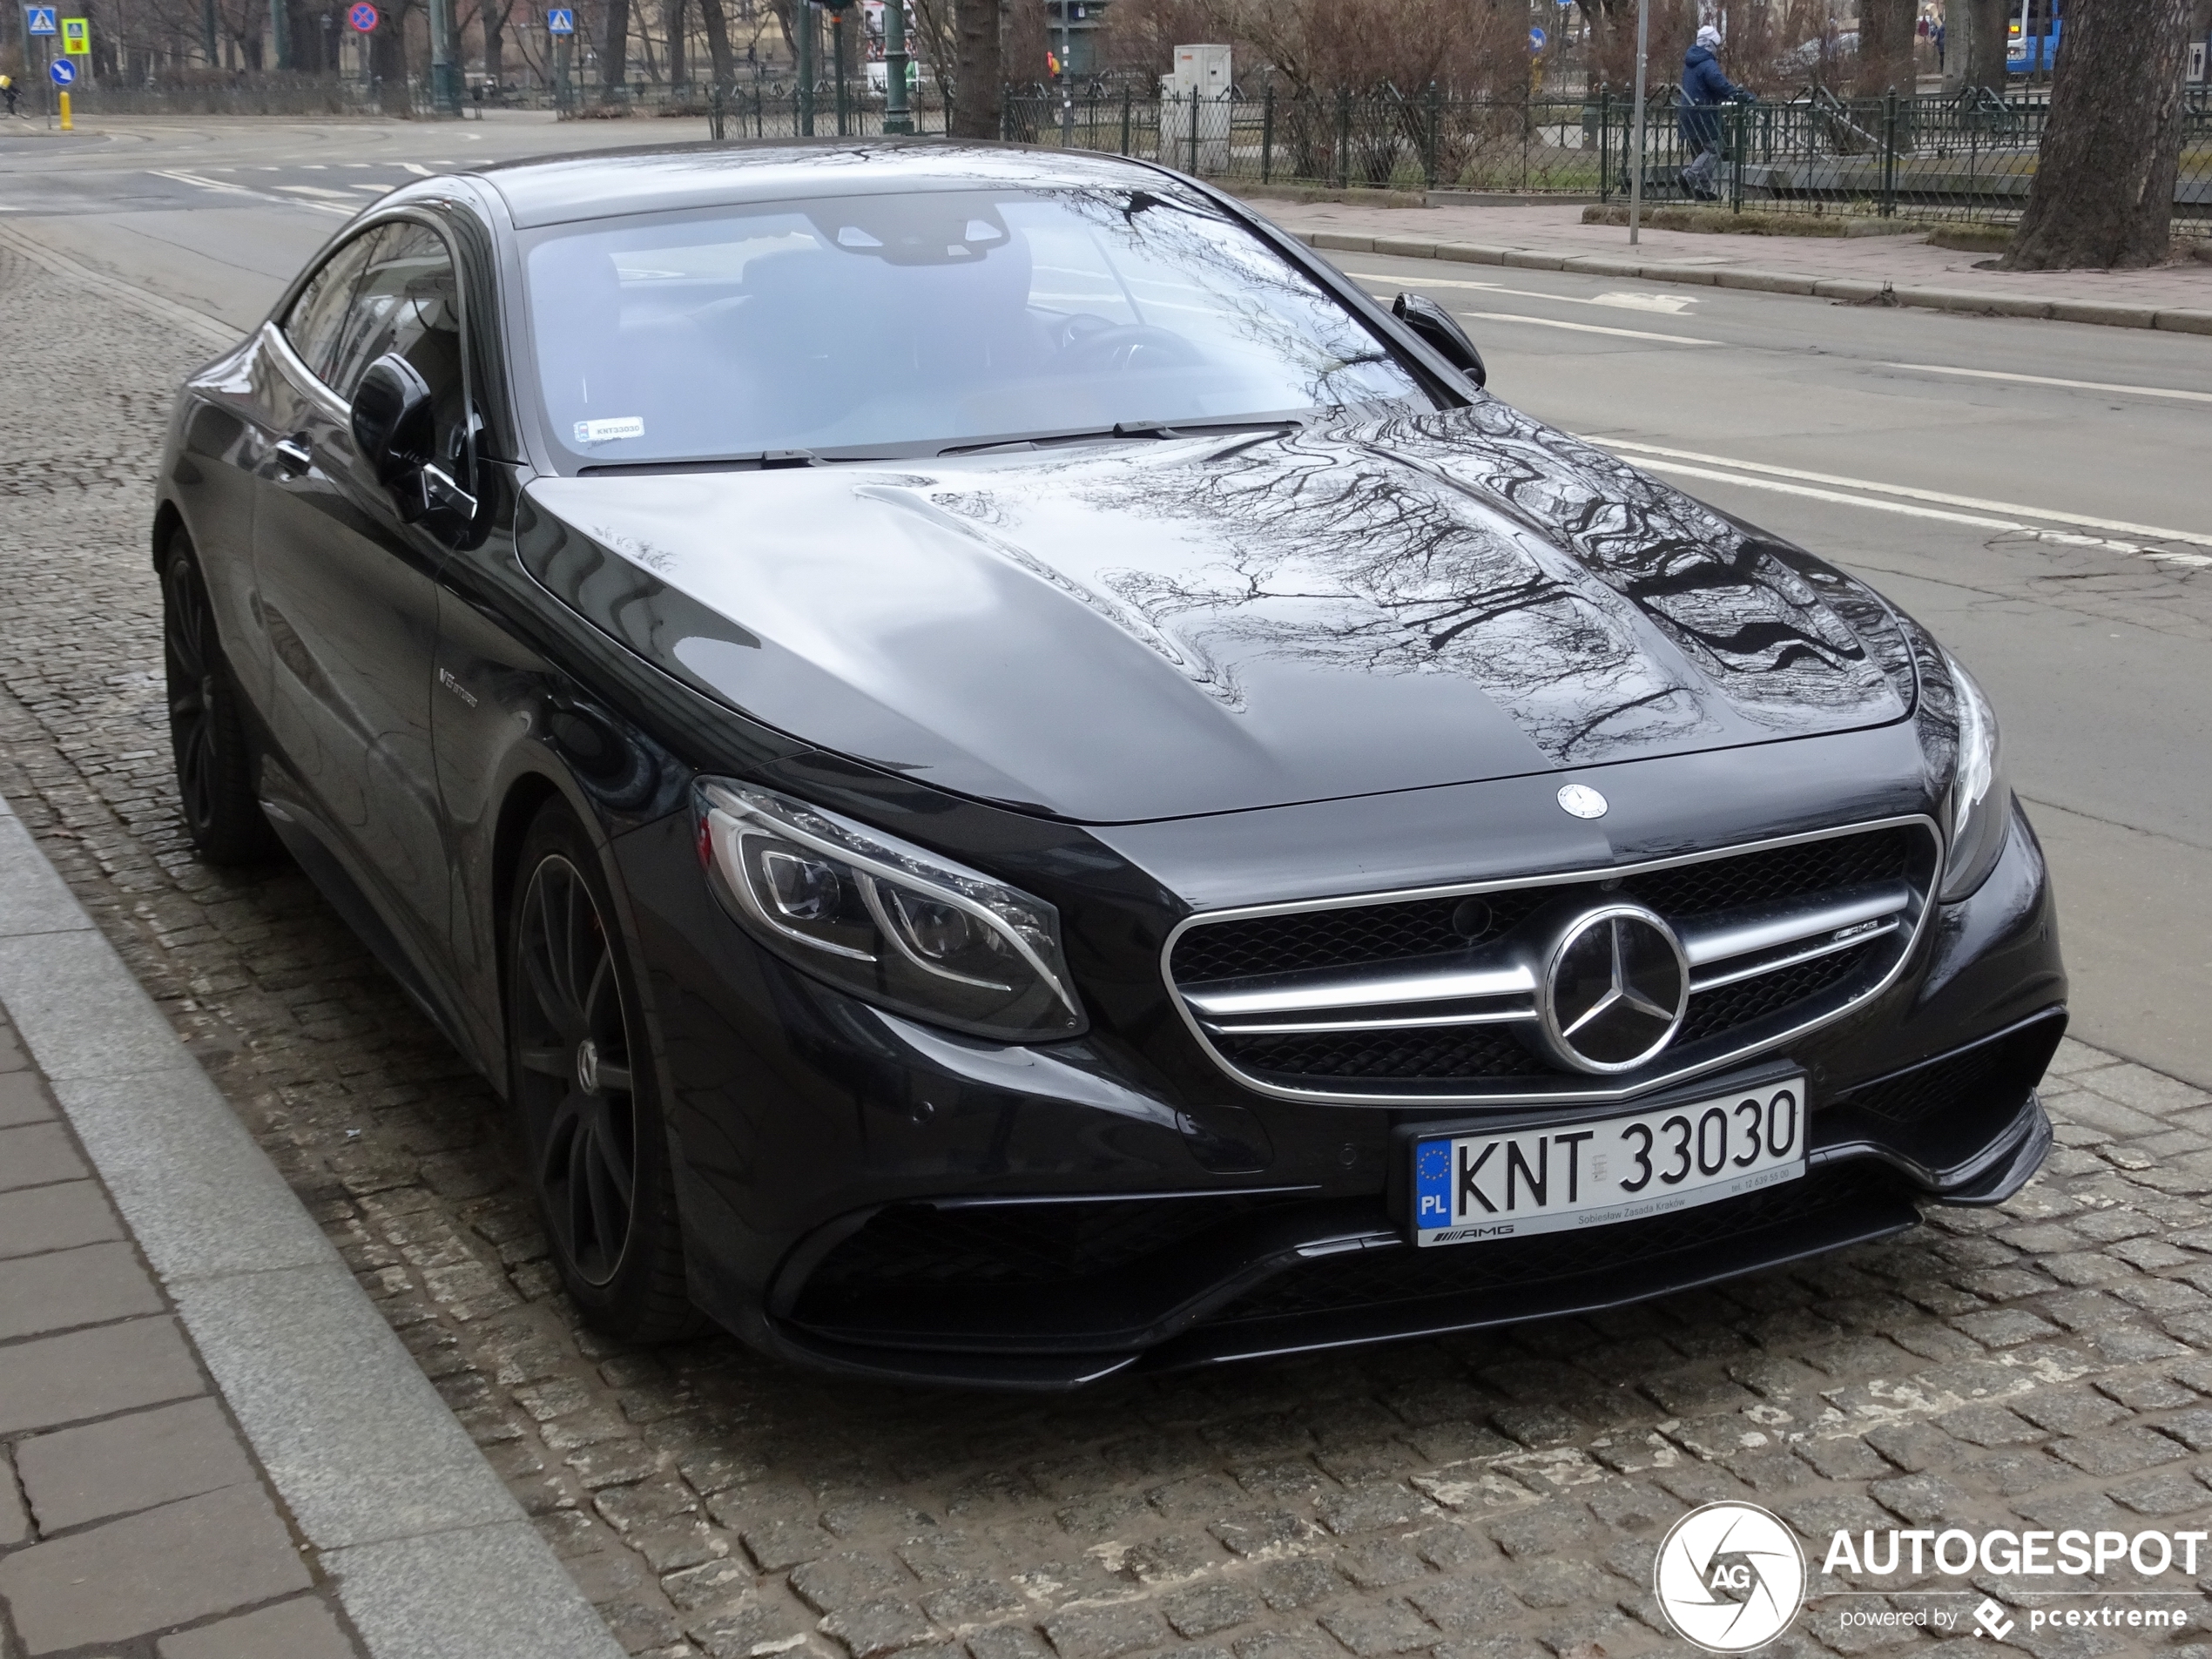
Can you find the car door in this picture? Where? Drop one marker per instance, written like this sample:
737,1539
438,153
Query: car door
348,588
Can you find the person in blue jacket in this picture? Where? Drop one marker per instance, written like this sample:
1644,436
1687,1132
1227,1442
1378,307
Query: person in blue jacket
1704,89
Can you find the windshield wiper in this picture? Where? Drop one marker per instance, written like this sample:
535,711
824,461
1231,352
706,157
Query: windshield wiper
1127,429
757,461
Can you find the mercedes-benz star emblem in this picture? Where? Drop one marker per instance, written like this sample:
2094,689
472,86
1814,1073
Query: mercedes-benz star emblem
1614,990
1582,800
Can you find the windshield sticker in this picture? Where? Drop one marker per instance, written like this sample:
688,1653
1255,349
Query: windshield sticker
631,426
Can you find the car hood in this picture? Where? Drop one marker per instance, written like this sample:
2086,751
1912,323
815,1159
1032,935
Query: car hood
1154,629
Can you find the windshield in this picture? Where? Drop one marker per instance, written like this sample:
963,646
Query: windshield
924,319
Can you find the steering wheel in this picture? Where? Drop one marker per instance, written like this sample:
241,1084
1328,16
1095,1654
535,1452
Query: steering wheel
1124,347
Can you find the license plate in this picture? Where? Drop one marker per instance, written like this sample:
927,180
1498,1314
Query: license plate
1471,1187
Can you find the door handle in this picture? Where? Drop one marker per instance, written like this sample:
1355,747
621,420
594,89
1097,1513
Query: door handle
293,455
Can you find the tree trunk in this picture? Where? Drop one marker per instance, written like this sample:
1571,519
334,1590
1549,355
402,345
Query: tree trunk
1886,46
976,75
718,41
614,56
1973,45
387,61
1026,41
676,23
494,21
2103,192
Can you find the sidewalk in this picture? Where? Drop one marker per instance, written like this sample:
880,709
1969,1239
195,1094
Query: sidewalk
2174,296
211,1444
130,1504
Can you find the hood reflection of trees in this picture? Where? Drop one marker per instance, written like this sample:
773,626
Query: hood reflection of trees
1605,611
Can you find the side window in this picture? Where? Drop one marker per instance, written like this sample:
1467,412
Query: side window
312,323
409,301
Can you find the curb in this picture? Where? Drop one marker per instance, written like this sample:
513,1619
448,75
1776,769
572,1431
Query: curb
218,335
1855,289
432,1556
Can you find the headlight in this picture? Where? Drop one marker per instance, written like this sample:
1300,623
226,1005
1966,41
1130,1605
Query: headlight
885,919
1978,811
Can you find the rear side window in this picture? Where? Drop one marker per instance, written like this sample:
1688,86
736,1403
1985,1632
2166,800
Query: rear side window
311,325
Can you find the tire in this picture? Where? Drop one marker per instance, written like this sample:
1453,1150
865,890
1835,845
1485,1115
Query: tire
214,758
583,1081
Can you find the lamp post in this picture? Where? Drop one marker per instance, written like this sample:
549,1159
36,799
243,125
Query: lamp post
445,98
1636,146
805,68
1067,82
896,117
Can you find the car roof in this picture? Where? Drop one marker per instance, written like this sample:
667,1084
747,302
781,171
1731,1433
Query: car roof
604,183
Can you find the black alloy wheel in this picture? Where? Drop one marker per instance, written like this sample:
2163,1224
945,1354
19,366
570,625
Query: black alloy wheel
582,1080
214,760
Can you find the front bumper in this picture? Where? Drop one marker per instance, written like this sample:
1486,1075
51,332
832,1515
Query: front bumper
866,1195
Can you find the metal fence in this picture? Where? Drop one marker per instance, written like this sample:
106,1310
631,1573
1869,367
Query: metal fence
1922,157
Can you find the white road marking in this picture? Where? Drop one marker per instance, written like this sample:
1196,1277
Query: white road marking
376,190
206,184
222,189
2003,526
1668,302
316,190
2046,380
416,168
1583,327
2049,515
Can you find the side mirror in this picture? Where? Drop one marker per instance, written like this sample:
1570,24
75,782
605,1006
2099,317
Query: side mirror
395,425
1440,329
395,433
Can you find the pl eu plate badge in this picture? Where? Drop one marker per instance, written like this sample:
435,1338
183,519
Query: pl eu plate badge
1432,1186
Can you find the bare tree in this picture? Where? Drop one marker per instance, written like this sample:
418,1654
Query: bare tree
1975,37
388,57
718,40
933,20
677,24
2103,192
614,56
1886,46
1025,43
494,18
976,74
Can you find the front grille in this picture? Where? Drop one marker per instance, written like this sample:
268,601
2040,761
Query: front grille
1435,997
1776,873
1346,938
1382,1054
1717,1012
1357,1279
1357,935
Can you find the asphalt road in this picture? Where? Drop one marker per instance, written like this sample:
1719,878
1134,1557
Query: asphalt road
2033,491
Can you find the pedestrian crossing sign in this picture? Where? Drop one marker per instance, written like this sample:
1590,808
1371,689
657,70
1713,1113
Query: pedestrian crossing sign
76,36
560,20
38,20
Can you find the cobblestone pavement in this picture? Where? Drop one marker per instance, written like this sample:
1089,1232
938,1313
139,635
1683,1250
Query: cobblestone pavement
1494,1495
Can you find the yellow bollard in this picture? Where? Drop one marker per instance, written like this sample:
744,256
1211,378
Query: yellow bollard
68,125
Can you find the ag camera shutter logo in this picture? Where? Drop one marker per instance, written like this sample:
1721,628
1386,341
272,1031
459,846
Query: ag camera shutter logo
1729,1577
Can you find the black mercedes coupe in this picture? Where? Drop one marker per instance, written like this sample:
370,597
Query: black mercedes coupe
1017,781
